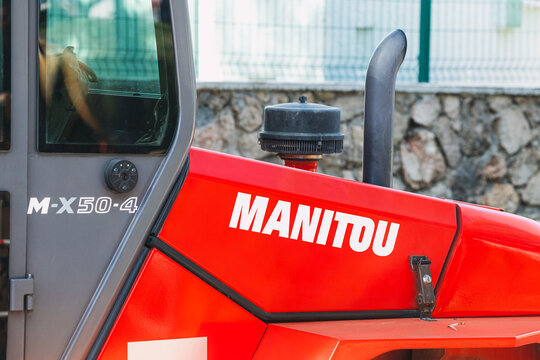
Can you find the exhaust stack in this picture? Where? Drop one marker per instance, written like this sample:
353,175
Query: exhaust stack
379,108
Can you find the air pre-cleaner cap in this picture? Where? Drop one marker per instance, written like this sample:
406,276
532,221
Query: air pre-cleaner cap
301,128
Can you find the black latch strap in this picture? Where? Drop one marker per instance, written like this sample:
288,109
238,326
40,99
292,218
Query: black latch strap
425,297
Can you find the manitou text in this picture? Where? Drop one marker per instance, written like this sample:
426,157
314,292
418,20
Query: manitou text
313,226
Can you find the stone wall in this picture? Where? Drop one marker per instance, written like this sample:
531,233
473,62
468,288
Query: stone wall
473,145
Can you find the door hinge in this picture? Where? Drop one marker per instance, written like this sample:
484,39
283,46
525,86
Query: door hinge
21,293
425,297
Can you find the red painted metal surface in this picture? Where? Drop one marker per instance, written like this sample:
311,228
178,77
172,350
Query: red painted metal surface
365,339
495,270
526,352
492,269
303,165
168,302
281,274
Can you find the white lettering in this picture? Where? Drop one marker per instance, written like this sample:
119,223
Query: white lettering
367,226
308,225
325,227
248,215
66,205
86,205
103,205
279,220
38,206
363,234
378,247
360,224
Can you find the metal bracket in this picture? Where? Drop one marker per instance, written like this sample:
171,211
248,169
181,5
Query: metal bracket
425,299
21,294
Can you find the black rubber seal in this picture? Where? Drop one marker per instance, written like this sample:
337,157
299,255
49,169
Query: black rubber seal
450,253
156,229
117,306
263,315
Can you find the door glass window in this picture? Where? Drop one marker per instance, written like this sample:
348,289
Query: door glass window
107,81
5,75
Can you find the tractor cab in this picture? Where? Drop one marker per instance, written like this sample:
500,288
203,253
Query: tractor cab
97,119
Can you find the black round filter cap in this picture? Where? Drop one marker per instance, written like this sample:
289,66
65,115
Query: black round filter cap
301,128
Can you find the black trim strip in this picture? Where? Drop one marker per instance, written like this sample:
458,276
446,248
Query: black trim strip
265,316
171,198
5,110
450,253
117,306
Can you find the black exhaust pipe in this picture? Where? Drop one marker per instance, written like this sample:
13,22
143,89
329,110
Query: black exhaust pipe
379,108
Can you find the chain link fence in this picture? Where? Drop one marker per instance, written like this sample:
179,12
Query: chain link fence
468,41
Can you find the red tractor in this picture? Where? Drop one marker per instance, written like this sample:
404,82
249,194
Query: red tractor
128,244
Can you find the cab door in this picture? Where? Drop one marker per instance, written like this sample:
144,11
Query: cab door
102,120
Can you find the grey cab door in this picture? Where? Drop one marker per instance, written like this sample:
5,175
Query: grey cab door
98,130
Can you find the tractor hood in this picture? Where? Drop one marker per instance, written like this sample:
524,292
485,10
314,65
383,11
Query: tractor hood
290,245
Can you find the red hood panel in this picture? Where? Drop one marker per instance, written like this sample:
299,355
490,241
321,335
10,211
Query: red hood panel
495,269
366,339
293,241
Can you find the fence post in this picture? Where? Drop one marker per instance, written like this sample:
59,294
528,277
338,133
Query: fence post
425,32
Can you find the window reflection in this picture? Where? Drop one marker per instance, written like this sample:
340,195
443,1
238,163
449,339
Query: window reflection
106,76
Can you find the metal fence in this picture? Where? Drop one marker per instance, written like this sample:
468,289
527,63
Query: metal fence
450,41
117,40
